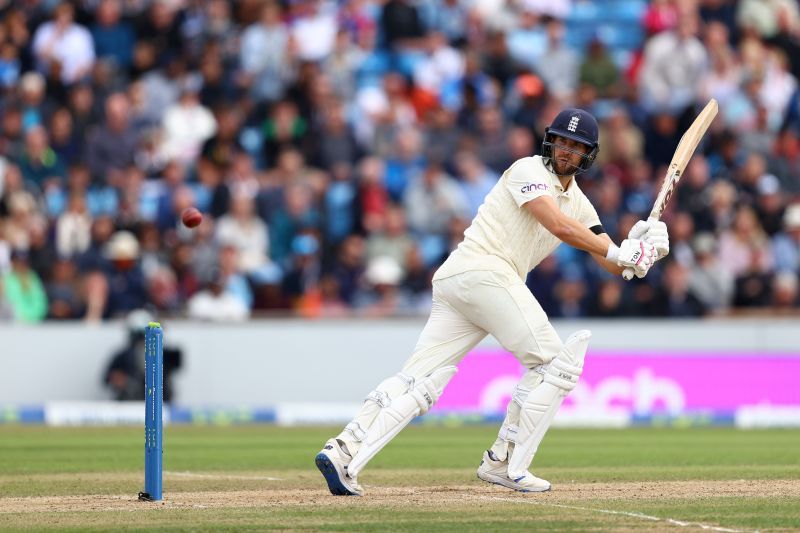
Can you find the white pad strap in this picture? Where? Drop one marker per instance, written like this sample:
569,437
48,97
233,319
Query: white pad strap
508,432
401,410
542,403
354,428
519,395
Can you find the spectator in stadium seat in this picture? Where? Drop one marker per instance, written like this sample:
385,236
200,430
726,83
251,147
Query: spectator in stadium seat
762,17
441,134
722,80
681,232
335,142
344,62
607,301
405,162
23,289
265,57
160,27
110,147
113,37
313,29
63,294
770,204
300,285
560,69
440,67
710,283
22,214
126,282
492,134
187,124
221,148
389,237
62,138
432,199
527,40
401,26
785,294
745,247
39,163
84,108
673,297
722,204
599,71
340,204
373,199
348,267
298,213
496,60
753,285
284,128
11,133
61,46
475,180
243,229
73,227
786,245
672,67
784,161
571,292
214,303
383,294
33,100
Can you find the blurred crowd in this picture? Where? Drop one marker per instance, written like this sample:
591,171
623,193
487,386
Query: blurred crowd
338,150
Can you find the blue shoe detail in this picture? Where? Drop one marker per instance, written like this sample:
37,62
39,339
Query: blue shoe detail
330,474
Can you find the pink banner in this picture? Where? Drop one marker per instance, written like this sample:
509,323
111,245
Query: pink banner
653,383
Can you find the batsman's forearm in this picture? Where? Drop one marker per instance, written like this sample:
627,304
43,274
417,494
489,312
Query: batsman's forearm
567,229
576,234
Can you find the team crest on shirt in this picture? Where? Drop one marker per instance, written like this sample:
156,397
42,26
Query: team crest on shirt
573,123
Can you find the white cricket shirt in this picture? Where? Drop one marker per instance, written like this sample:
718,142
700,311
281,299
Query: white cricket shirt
504,235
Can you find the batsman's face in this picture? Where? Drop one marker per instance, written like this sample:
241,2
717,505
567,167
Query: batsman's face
567,155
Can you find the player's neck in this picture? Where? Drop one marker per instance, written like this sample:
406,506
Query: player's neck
566,181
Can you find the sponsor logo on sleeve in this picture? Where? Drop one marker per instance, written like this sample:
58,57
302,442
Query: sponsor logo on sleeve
533,187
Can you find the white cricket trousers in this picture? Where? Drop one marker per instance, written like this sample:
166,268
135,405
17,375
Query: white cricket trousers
467,307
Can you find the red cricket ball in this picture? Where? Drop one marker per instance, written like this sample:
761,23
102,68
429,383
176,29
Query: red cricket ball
191,217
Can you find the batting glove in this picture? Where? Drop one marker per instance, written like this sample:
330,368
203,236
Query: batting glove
654,232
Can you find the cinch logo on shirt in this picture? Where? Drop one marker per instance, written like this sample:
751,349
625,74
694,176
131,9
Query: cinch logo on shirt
533,187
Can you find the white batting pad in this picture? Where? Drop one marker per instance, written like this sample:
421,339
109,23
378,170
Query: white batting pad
542,403
396,413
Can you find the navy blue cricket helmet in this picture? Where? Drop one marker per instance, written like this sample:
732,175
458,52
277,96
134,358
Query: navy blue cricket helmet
575,124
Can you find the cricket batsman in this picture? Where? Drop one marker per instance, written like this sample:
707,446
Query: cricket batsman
480,289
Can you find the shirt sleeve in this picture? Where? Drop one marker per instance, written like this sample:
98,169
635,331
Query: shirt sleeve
588,216
527,181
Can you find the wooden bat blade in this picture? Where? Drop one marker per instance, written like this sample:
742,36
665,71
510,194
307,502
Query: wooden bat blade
683,153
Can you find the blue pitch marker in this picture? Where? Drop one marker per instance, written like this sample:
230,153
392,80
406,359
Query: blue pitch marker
153,401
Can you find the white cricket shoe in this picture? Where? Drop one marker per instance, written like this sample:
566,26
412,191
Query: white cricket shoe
495,471
332,462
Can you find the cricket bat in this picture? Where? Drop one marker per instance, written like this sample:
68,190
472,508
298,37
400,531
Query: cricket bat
686,147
